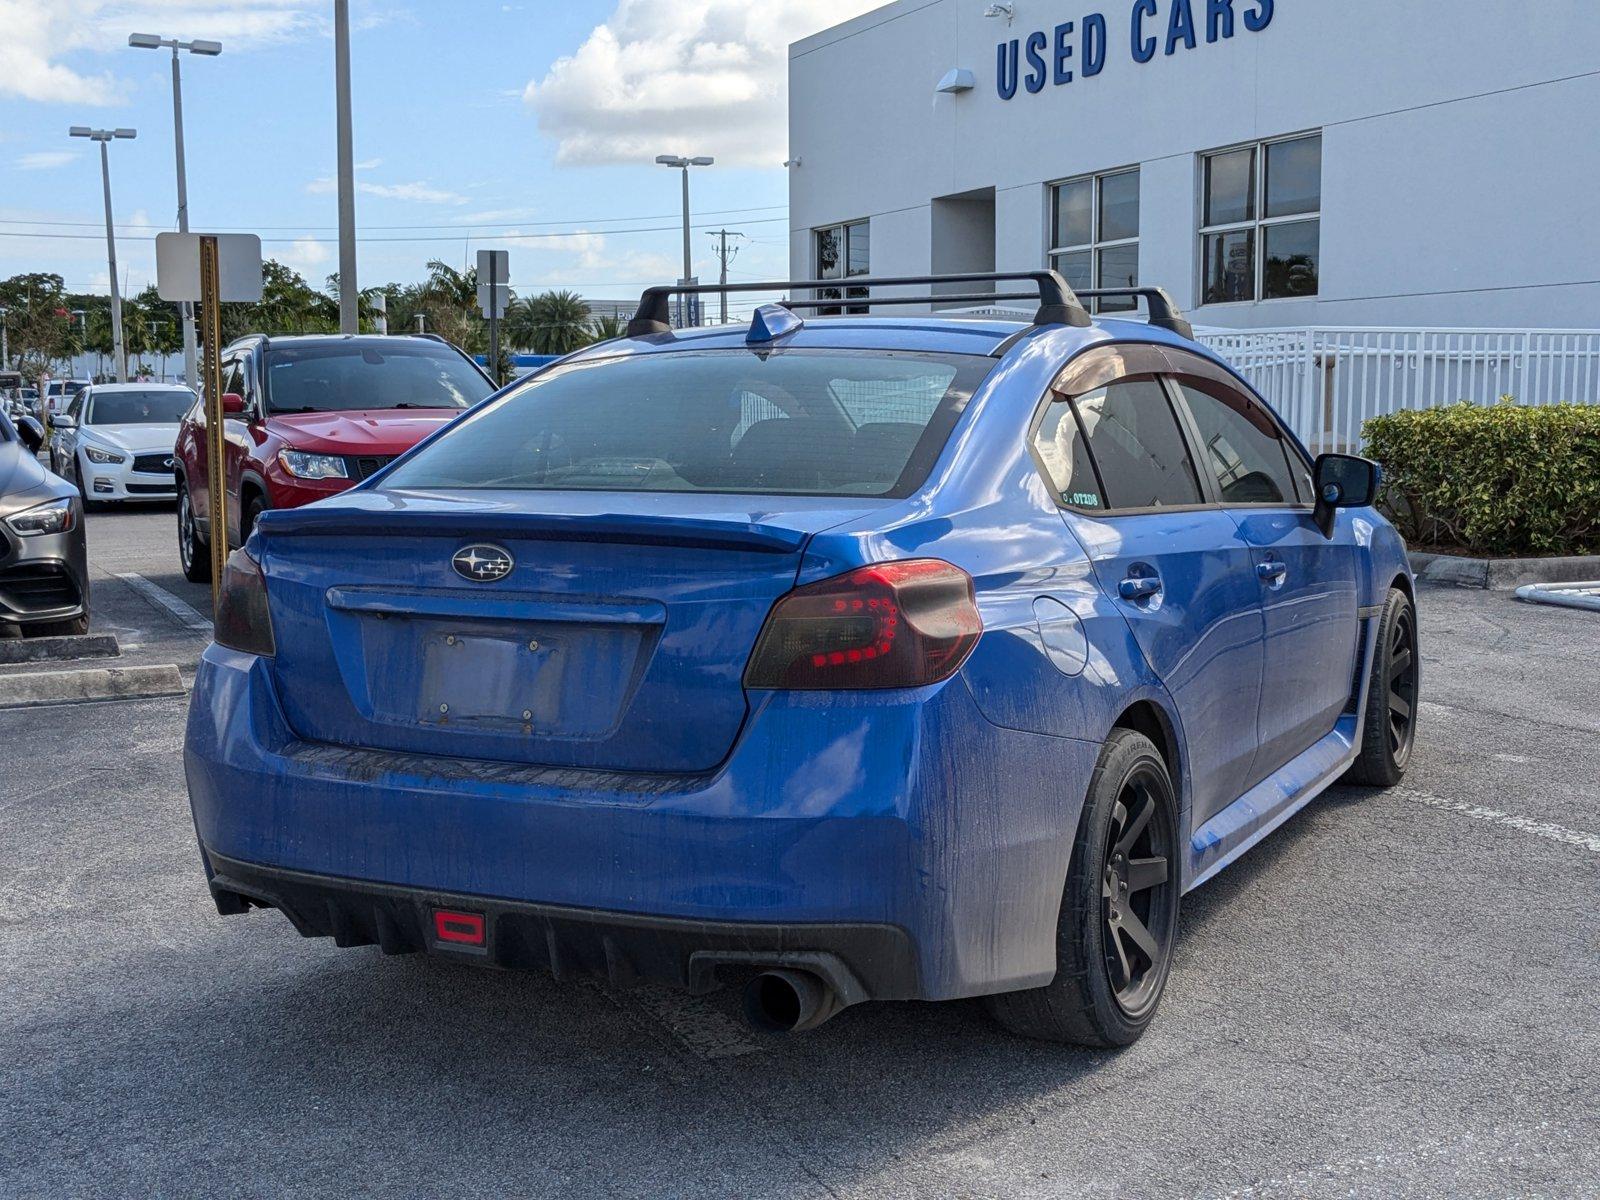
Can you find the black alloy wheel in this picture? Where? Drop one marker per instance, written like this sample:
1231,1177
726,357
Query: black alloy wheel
1138,874
1389,723
193,553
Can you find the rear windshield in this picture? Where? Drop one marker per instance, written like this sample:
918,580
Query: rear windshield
341,376
823,422
163,407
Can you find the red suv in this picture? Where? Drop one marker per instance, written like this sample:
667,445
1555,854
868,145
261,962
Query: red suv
309,416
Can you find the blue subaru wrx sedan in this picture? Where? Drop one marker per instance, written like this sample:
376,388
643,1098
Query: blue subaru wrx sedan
856,657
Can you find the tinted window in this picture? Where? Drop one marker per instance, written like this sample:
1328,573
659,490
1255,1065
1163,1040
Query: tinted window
138,408
1137,446
341,376
1293,255
1243,448
833,422
1060,446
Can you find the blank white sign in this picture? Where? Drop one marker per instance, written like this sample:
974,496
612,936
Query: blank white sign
238,266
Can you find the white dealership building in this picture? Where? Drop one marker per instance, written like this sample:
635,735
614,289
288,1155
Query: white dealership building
1272,163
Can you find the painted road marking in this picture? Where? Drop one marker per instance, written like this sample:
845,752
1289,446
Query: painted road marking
1478,812
184,612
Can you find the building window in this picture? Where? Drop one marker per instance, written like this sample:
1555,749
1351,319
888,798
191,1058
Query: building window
843,251
1260,228
1094,234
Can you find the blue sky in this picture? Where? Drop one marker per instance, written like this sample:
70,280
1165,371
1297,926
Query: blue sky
474,120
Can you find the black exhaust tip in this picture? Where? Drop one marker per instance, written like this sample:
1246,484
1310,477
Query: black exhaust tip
788,1002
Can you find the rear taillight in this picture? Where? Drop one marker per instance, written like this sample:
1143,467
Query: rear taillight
891,625
242,621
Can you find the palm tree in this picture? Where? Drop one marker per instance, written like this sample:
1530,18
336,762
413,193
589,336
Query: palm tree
554,322
608,327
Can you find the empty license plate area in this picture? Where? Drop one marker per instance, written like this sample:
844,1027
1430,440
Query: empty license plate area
561,679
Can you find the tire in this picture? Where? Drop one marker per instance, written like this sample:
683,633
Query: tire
247,522
1389,724
70,628
1107,989
194,553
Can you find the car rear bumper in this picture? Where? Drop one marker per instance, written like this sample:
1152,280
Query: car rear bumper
858,961
905,813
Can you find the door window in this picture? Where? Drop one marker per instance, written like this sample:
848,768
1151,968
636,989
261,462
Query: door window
1136,445
1242,446
1064,455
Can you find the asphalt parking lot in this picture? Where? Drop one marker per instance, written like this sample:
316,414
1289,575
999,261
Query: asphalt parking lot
1398,994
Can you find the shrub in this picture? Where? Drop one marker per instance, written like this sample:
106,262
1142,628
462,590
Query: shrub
1501,479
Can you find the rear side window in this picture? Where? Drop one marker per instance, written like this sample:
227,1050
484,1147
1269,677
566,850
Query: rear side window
1242,446
823,422
1134,438
1060,446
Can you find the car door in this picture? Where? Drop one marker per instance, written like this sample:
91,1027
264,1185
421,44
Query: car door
238,434
64,446
1173,563
199,484
1307,581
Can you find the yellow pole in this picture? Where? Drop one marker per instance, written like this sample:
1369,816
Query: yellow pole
216,439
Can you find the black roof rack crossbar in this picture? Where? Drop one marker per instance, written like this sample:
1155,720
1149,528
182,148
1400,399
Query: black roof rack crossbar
1057,303
862,301
1164,314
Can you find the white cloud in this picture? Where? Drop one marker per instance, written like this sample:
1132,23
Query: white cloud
693,76
306,256
46,160
40,34
420,191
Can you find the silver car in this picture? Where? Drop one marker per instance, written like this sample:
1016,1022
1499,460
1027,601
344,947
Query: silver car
44,565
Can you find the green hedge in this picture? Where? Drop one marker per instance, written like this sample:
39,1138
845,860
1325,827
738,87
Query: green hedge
1500,480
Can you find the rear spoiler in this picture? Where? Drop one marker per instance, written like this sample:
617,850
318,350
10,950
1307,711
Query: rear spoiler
624,528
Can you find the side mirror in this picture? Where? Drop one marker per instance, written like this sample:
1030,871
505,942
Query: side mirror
31,433
1343,481
232,404
64,422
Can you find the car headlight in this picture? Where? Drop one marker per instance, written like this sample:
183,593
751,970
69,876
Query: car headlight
54,516
312,466
96,455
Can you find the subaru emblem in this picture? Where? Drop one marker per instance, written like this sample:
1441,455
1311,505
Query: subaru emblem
483,563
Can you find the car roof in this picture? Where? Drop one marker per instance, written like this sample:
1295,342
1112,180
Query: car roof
140,387
929,332
276,341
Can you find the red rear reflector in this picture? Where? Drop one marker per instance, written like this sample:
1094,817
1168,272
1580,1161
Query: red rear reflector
890,625
463,928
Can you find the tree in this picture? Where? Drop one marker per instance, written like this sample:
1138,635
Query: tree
553,322
450,301
608,327
38,321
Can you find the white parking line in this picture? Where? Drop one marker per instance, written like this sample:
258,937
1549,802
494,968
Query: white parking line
1544,829
185,613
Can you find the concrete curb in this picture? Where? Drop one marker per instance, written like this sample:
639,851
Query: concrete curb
94,683
68,647
1503,573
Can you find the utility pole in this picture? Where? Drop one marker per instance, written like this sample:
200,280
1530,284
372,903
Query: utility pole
349,292
151,41
119,359
725,255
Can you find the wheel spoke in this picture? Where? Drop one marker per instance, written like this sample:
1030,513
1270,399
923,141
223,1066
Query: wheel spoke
1146,873
1131,833
1142,937
1399,707
1400,664
1122,957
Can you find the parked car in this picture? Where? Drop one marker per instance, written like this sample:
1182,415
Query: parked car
29,396
59,393
310,416
881,658
44,573
116,441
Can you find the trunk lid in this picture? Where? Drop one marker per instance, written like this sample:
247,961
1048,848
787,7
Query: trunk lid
616,640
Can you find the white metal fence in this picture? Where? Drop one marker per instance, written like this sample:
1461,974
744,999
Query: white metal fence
1326,381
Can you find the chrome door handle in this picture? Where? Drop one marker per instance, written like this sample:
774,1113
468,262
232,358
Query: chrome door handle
1139,587
1271,571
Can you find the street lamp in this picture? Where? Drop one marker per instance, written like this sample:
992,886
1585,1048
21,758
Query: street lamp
119,361
677,160
150,41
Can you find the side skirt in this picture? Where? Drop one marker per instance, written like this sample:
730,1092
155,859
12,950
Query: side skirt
1234,830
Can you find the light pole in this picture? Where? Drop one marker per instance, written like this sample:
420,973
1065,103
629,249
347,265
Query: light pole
150,41
677,160
119,361
349,292
5,348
